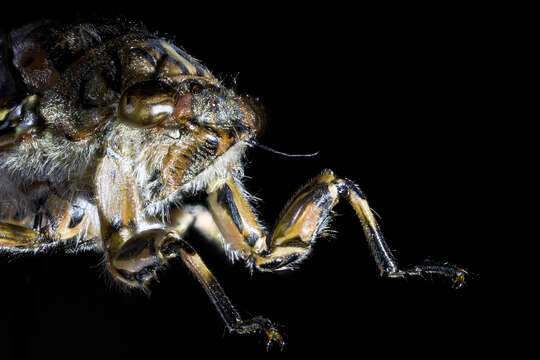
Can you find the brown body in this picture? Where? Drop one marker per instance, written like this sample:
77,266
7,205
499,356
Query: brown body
105,131
83,147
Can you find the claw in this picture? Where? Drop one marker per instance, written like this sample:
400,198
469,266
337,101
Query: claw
444,269
259,323
459,281
274,335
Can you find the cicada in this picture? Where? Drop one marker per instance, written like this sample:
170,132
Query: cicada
110,136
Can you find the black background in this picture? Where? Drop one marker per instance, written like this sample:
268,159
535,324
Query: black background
393,98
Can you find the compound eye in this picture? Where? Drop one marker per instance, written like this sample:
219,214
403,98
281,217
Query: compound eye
147,104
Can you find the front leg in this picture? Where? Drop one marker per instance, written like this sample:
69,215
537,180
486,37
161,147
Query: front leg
228,313
130,255
138,260
304,218
134,255
17,237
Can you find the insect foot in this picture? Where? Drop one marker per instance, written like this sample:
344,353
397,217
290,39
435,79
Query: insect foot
262,324
453,272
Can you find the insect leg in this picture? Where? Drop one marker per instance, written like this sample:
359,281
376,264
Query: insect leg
15,236
132,252
304,218
196,217
137,260
18,119
231,317
385,260
244,237
56,222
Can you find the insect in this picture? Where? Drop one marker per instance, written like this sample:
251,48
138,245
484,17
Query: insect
109,132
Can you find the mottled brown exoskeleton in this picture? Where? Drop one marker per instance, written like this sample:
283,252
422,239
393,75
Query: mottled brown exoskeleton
107,130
